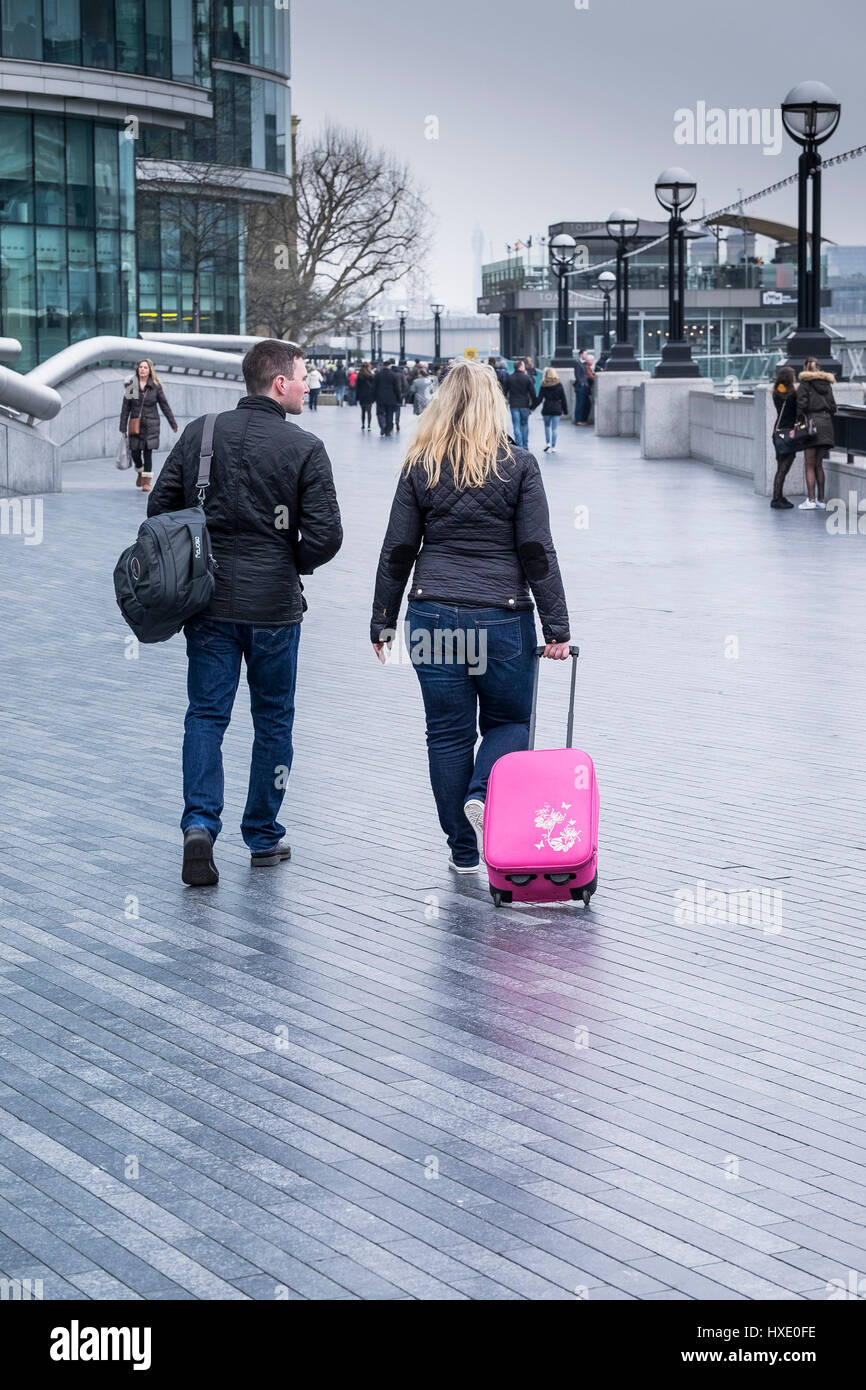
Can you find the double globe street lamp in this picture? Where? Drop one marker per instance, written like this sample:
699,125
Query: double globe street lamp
622,228
676,190
562,251
810,115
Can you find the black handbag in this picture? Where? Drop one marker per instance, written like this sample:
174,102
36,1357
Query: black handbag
801,435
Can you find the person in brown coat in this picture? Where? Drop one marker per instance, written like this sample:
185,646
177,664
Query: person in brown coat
815,398
143,399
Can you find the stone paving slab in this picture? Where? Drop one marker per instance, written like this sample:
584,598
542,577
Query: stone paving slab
353,1078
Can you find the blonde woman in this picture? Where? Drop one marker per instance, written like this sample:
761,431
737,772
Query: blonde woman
471,514
553,404
143,398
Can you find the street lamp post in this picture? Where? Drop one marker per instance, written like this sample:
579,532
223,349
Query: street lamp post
622,228
372,337
562,252
437,334
379,323
607,282
810,115
402,315
676,190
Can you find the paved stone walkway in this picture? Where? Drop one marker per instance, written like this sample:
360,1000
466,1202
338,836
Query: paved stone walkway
352,1077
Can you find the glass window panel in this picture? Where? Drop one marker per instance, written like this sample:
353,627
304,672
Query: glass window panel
22,29
128,280
108,286
130,37
105,176
17,289
62,36
170,310
82,285
16,191
49,168
202,39
126,179
148,300
282,38
158,37
182,48
79,174
147,228
97,34
240,33
51,290
169,240
257,123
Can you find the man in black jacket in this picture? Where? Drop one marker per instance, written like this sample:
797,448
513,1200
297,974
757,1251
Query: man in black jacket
389,397
520,394
272,516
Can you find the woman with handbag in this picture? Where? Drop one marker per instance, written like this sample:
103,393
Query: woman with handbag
785,401
143,398
815,400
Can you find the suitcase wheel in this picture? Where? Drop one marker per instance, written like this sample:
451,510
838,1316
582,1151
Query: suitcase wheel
584,895
500,896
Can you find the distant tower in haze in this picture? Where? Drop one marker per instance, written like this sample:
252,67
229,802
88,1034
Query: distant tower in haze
477,258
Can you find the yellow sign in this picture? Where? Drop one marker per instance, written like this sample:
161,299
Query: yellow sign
471,352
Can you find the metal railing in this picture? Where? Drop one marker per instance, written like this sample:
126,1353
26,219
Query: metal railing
35,394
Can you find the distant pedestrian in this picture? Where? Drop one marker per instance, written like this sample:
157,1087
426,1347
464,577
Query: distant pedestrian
815,399
403,385
553,404
589,399
499,368
389,397
785,401
351,378
339,382
521,397
471,514
365,393
421,391
143,399
581,387
314,381
417,368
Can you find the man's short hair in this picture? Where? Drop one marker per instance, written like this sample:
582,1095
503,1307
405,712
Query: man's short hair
268,359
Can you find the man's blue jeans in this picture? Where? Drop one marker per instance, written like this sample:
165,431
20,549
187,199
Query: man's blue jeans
340,393
520,426
215,650
551,429
491,683
579,403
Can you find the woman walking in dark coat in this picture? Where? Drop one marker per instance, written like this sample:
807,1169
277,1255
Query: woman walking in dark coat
785,401
143,399
473,505
815,398
553,404
365,393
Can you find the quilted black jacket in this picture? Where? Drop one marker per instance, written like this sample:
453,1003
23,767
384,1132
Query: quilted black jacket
487,546
271,509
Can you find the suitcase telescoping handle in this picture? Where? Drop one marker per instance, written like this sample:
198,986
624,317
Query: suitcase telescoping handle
574,653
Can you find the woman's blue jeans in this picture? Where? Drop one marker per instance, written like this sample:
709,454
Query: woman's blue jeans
551,429
475,667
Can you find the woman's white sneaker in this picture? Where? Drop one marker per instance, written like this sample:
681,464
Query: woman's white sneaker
807,506
474,813
822,505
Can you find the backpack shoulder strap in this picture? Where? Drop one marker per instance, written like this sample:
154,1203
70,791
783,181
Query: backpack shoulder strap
205,456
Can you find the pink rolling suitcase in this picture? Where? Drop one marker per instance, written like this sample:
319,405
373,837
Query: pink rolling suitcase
541,819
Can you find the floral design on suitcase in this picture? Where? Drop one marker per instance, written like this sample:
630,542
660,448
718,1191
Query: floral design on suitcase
547,819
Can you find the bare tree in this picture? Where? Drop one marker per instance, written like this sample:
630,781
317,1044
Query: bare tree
200,198
356,225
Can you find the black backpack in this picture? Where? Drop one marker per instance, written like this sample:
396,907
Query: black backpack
167,575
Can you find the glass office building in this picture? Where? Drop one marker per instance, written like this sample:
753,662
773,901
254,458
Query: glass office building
102,102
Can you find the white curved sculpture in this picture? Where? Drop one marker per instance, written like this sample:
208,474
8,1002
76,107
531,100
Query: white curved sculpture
34,393
10,348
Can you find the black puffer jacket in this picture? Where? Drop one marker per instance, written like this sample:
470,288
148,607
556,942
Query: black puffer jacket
365,389
145,405
389,390
271,509
553,399
815,397
520,391
487,546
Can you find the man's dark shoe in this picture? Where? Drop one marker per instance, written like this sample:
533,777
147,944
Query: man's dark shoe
270,857
199,870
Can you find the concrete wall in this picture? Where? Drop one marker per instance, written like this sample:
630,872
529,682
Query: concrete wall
722,432
29,464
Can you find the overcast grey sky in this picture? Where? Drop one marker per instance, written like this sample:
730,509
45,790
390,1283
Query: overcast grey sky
548,112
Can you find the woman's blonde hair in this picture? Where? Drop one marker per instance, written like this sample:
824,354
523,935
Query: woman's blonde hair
153,376
466,422
550,378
